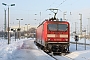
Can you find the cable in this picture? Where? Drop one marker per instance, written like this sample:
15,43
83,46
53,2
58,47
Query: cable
52,3
46,10
61,3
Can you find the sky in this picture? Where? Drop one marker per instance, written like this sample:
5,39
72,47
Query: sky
26,10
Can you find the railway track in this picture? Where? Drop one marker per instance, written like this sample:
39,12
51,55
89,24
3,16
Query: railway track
59,55
79,43
53,56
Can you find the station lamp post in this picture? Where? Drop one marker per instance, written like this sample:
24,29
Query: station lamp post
27,29
19,28
8,19
19,21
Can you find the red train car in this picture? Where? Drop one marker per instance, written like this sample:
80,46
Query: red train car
53,36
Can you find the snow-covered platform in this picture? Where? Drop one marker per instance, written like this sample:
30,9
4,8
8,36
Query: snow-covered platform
24,50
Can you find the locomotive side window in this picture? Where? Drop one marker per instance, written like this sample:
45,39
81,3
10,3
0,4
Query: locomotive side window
62,27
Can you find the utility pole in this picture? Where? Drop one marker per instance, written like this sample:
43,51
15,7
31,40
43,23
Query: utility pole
5,25
19,32
80,24
64,16
8,28
40,16
85,38
24,32
87,29
75,28
89,26
27,30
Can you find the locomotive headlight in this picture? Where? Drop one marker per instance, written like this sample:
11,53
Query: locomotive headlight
48,39
66,39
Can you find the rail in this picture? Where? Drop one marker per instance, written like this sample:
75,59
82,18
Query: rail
79,43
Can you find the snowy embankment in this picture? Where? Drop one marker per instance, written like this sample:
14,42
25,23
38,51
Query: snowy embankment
80,53
6,50
23,50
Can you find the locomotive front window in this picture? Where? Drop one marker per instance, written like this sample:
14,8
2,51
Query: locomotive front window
62,27
52,27
57,27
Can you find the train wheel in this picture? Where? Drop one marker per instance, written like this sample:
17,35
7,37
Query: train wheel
46,50
68,48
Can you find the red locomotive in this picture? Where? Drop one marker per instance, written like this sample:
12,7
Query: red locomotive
53,35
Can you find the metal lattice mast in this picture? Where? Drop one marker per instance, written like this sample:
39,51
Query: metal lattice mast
80,24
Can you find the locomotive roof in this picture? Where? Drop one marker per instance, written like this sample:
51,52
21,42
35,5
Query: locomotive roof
51,20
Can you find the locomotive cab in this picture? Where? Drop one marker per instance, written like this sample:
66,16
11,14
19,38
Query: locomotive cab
58,36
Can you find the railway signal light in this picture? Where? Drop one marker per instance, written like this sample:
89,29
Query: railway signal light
76,38
11,29
18,29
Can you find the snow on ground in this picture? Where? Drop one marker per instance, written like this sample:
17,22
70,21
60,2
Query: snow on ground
80,53
25,49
